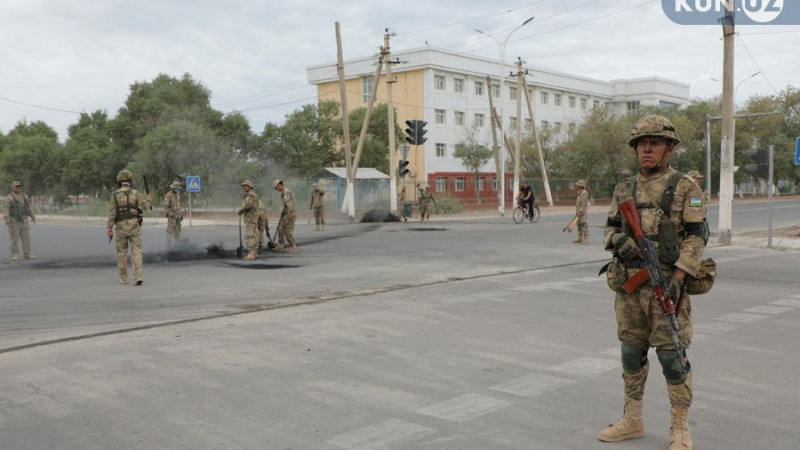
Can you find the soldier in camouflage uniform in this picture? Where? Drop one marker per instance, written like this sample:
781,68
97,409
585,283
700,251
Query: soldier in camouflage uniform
251,212
18,214
124,212
318,206
173,212
288,217
425,204
581,209
679,232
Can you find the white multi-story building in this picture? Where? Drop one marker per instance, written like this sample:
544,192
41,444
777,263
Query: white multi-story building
450,91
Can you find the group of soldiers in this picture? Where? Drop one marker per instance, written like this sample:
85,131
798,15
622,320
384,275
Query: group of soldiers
254,215
425,200
671,209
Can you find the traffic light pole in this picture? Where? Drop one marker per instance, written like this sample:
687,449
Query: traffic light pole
390,111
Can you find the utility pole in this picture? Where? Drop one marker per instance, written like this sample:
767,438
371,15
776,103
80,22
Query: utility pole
498,161
542,168
349,201
518,132
728,132
386,53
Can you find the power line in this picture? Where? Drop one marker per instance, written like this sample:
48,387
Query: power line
47,108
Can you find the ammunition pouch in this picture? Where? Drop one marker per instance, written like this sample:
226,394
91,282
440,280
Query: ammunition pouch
616,274
703,281
139,216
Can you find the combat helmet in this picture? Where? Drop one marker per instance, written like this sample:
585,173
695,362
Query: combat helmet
653,125
175,185
580,183
124,175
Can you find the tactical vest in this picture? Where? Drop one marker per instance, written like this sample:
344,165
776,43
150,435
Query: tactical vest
667,237
127,210
18,210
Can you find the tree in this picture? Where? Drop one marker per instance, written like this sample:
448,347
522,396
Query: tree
375,151
29,156
89,164
473,155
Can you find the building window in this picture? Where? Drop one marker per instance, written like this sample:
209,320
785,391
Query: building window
557,99
583,103
479,88
572,102
557,127
441,116
527,124
512,123
367,85
479,120
439,82
545,98
571,129
495,90
460,183
458,117
512,93
480,185
458,85
441,150
545,124
494,184
595,104
441,184
633,106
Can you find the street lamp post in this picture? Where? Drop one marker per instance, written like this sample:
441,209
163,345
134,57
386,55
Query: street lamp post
500,70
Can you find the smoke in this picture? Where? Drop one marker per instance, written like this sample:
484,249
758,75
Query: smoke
378,215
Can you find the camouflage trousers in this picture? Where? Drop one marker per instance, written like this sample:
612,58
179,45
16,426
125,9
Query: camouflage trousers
641,323
173,230
263,226
319,215
251,235
286,229
424,211
129,236
583,227
20,230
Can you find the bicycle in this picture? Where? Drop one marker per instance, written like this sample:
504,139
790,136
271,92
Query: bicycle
520,213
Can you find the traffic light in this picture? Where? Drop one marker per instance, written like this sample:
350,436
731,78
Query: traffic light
403,169
416,132
421,132
761,167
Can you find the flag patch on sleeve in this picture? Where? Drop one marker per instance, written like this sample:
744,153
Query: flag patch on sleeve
695,202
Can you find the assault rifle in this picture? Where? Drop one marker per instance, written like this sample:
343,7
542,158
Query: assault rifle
659,282
147,189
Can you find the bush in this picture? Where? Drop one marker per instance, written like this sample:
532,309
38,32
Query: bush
446,205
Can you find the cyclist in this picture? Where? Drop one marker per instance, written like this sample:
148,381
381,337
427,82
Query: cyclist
525,199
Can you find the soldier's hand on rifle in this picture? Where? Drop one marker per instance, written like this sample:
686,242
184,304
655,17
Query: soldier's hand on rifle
676,284
625,245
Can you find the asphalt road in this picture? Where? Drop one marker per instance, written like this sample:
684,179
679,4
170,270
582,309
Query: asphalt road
455,334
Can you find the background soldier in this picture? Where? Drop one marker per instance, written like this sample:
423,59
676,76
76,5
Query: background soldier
251,212
125,212
18,211
402,198
699,180
288,217
581,210
172,210
263,224
672,211
318,207
425,203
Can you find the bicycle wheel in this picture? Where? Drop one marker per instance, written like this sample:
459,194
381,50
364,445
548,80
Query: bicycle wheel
536,214
518,215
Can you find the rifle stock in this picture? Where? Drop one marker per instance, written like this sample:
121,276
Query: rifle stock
658,280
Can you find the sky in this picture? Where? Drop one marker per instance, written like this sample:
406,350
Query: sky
61,58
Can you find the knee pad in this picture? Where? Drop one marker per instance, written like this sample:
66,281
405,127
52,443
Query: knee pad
671,367
633,358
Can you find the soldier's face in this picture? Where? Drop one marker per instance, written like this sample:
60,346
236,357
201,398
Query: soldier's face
653,151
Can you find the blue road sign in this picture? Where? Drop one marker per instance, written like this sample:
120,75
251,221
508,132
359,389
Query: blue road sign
193,183
797,152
